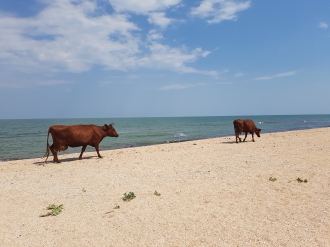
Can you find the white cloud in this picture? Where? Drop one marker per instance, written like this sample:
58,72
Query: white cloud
142,7
290,73
323,25
12,78
239,74
158,18
152,8
72,41
166,57
80,37
264,78
176,86
219,10
154,35
183,86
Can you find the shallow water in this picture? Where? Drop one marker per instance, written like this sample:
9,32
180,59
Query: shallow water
26,138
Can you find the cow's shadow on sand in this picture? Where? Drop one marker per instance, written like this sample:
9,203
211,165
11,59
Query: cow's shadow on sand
50,161
228,142
234,142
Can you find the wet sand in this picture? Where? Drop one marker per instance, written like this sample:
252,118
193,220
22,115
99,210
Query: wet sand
210,192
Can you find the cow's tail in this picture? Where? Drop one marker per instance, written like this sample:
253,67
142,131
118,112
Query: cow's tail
47,148
236,127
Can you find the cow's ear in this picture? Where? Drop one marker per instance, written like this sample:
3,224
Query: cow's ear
105,127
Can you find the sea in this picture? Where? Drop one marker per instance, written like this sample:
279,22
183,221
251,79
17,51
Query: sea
26,138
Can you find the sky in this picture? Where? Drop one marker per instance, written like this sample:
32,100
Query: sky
163,58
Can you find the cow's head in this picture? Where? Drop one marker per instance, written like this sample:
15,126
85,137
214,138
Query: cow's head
110,130
258,132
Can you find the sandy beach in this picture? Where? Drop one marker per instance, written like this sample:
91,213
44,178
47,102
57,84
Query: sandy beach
210,192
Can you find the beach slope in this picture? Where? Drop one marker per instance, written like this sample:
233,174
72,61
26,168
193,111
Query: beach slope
213,192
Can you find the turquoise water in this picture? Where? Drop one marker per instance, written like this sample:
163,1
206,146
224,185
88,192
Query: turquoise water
26,138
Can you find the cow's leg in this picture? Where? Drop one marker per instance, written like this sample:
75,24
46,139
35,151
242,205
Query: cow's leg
245,136
82,150
237,137
56,158
252,136
54,152
98,151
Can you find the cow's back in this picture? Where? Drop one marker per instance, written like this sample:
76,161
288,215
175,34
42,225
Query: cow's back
249,126
74,135
244,125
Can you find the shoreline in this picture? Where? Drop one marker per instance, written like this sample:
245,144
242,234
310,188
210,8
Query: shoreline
210,192
78,149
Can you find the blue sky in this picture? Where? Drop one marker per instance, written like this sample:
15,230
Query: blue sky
159,58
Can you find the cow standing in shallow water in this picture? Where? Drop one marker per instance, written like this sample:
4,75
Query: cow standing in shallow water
65,136
246,126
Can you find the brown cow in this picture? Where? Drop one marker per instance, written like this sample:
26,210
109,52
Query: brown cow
247,126
65,136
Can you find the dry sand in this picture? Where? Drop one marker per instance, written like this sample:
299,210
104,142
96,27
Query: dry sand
214,192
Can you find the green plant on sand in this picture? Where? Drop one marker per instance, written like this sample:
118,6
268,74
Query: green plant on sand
129,196
156,193
55,210
272,179
300,180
